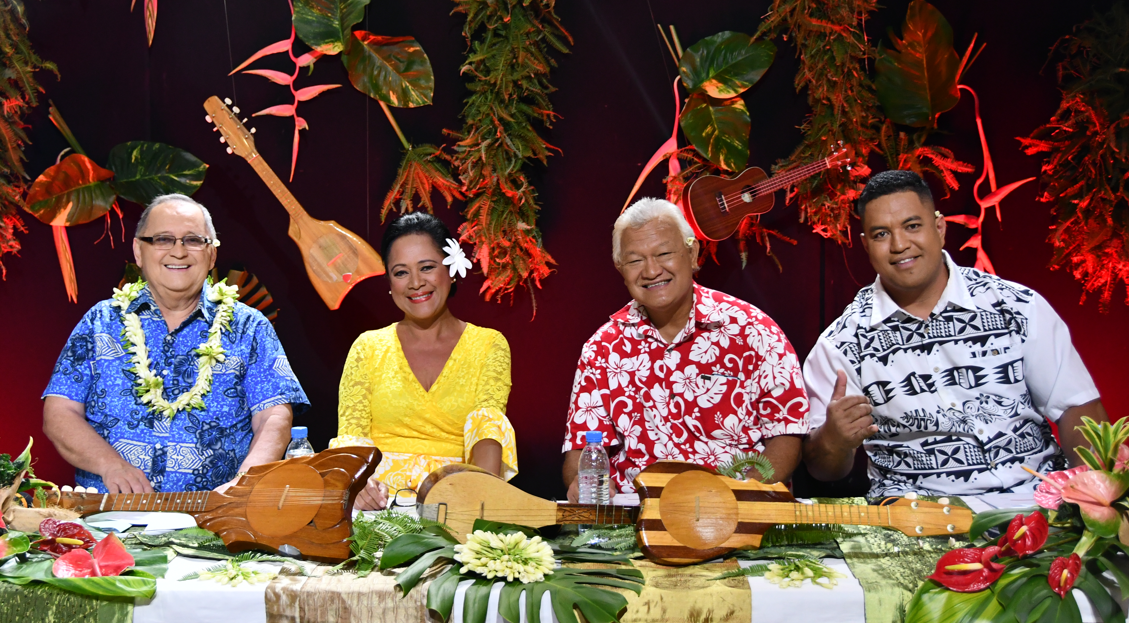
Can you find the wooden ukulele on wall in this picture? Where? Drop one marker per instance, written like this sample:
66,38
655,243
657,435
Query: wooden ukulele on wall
687,513
305,503
715,205
336,258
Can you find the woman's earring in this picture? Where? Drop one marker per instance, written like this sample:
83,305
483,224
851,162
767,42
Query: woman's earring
453,280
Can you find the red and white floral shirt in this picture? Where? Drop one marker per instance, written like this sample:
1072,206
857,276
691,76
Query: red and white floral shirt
729,380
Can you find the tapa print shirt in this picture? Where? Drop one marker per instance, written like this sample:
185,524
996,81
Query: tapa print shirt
961,398
197,450
727,382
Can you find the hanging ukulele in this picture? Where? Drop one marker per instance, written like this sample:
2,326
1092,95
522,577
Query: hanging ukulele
715,205
336,258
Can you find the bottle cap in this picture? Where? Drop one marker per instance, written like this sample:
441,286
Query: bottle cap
594,436
298,432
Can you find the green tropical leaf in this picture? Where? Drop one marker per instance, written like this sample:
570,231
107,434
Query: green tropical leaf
917,78
570,589
408,546
145,170
131,584
13,543
325,25
718,129
933,603
72,192
1108,609
409,577
726,64
394,70
441,593
498,527
987,520
477,600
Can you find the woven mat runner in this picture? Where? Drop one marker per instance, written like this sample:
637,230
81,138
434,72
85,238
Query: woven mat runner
36,602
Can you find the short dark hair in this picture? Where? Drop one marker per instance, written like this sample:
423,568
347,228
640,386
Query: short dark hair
890,182
417,223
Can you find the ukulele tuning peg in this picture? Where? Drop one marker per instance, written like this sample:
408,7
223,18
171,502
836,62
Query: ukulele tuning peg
227,100
245,120
229,150
208,118
252,130
235,109
66,488
223,140
216,129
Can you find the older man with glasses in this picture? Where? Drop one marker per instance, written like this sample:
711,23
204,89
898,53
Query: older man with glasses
172,384
682,372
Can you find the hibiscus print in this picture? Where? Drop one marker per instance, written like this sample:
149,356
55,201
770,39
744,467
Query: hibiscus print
703,350
685,382
589,410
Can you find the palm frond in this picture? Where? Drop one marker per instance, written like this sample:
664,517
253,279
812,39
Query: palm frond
739,464
804,534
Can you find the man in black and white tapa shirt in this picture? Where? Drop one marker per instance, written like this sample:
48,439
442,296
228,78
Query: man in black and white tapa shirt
948,374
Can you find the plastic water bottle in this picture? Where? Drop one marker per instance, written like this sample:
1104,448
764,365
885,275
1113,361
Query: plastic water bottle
593,471
299,445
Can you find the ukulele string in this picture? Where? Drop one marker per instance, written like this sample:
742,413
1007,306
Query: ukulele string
230,60
782,180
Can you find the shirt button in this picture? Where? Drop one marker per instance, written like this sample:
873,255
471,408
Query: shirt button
935,369
951,404
992,465
980,431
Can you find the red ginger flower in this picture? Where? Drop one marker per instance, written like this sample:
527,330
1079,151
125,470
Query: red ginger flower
1064,571
969,569
60,537
1025,535
110,558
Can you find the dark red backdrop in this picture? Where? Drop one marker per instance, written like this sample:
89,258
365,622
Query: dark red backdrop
614,96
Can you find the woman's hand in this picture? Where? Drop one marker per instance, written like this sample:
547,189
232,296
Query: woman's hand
373,497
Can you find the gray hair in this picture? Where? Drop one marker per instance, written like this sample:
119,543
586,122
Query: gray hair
210,230
644,211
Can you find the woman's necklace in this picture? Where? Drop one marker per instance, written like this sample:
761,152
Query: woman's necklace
150,387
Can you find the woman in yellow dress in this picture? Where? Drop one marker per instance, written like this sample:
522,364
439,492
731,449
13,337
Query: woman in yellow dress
429,390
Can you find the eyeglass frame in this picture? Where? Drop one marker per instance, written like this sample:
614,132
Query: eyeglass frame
207,241
394,499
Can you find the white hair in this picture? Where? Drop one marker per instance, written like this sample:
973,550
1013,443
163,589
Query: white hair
644,211
210,230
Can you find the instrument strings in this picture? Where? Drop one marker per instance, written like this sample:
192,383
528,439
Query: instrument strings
781,180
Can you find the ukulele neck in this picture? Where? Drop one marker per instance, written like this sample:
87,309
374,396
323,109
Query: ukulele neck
597,514
793,176
190,502
796,513
277,187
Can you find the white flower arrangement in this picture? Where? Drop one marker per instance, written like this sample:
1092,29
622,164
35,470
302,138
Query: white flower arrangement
507,555
456,259
792,573
150,387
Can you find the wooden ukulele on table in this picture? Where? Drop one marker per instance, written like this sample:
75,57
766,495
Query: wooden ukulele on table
336,258
715,205
305,503
687,513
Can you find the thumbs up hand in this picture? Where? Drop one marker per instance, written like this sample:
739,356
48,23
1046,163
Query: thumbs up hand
848,417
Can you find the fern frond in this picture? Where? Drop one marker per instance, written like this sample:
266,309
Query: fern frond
196,574
739,464
754,571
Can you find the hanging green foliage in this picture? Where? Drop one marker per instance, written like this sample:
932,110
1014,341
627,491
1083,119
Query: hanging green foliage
19,91
421,172
326,25
509,66
1086,147
917,79
143,171
394,70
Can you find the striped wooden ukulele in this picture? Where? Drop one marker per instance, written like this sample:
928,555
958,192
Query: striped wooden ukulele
687,513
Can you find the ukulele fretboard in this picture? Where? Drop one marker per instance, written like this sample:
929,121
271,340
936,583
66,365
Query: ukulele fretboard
184,502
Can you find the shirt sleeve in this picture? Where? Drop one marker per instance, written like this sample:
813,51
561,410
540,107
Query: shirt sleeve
1052,369
587,410
494,386
777,383
73,375
820,369
269,380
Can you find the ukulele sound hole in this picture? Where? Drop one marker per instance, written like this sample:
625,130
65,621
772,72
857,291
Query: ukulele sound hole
698,509
285,500
333,258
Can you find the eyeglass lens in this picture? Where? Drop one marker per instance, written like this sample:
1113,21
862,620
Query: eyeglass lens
191,242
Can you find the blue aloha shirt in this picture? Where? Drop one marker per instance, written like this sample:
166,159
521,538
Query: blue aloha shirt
196,450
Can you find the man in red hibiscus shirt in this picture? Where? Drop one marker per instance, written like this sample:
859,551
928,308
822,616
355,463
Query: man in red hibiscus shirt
682,372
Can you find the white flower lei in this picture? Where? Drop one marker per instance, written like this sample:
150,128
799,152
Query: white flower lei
150,387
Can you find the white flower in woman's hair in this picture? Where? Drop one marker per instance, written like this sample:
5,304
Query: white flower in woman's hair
456,259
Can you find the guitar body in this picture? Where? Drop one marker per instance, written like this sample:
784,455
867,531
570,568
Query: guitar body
305,502
336,259
715,205
463,493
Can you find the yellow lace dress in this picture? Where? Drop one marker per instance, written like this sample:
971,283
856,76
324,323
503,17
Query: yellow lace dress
382,404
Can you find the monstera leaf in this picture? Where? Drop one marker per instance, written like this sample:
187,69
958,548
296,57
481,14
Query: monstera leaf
725,65
324,24
394,70
144,171
72,192
718,129
917,78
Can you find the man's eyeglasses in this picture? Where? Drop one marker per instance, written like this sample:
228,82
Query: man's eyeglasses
192,242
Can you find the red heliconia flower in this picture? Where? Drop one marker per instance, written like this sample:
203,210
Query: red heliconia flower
969,569
1064,571
1025,535
60,537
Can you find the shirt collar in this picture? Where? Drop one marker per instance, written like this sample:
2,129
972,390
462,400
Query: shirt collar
635,314
955,293
205,306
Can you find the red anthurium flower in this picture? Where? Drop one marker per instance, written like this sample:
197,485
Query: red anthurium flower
1064,571
110,558
60,537
969,569
1049,492
1025,535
